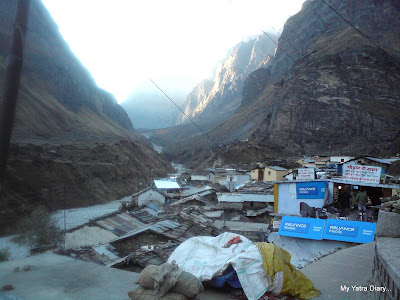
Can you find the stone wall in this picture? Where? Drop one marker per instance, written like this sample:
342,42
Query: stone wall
386,271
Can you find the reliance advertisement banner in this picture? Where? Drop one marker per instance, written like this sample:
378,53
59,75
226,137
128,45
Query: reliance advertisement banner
349,231
311,190
308,228
330,229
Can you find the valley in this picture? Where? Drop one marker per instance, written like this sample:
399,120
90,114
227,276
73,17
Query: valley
280,163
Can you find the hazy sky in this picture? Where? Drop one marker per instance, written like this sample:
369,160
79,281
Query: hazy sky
177,43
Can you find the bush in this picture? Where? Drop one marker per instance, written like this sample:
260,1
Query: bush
4,254
125,206
39,230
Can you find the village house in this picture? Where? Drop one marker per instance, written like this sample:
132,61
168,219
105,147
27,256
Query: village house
148,195
244,201
203,176
268,173
274,173
235,178
318,162
167,186
340,159
319,193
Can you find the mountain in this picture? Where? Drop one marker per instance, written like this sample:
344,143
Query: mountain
330,88
150,109
72,144
213,102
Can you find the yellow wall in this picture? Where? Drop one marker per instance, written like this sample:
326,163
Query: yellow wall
275,198
254,174
274,175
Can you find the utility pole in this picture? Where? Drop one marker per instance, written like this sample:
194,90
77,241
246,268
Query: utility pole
12,80
65,219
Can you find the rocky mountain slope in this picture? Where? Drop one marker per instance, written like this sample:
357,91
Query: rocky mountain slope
71,140
329,88
213,102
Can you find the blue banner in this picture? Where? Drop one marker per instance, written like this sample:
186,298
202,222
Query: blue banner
311,190
349,231
308,228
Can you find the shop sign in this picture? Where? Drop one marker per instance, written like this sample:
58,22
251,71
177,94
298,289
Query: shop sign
308,228
311,190
362,174
306,173
276,224
349,231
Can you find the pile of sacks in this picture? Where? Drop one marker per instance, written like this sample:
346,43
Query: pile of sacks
391,204
166,282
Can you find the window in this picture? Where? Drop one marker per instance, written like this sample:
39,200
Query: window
269,173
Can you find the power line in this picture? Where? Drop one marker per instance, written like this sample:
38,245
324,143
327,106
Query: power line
356,29
212,140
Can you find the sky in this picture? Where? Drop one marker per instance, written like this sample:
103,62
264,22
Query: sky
176,43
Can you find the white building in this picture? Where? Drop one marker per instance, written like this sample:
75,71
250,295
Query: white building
167,186
148,195
239,201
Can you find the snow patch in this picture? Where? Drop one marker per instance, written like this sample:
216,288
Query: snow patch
16,250
88,236
78,216
305,251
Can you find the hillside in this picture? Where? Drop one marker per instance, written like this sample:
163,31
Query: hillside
72,144
328,89
214,101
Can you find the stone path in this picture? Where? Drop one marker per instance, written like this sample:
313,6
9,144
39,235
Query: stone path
335,275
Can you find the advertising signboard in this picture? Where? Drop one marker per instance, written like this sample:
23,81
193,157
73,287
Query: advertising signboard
311,190
358,173
307,228
306,173
330,229
349,231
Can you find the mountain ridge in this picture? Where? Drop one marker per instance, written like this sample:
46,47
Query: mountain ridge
71,140
328,89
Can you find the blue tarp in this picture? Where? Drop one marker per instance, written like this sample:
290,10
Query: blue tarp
229,276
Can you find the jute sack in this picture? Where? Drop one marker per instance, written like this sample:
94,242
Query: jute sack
187,283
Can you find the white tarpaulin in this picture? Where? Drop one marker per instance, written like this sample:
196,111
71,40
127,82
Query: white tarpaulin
206,257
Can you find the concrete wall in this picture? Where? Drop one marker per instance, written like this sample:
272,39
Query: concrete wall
231,205
256,205
200,177
150,196
386,270
289,204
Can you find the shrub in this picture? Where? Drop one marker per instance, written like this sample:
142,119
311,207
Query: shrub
4,254
38,230
127,206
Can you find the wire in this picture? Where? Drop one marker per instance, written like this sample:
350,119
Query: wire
356,29
212,140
